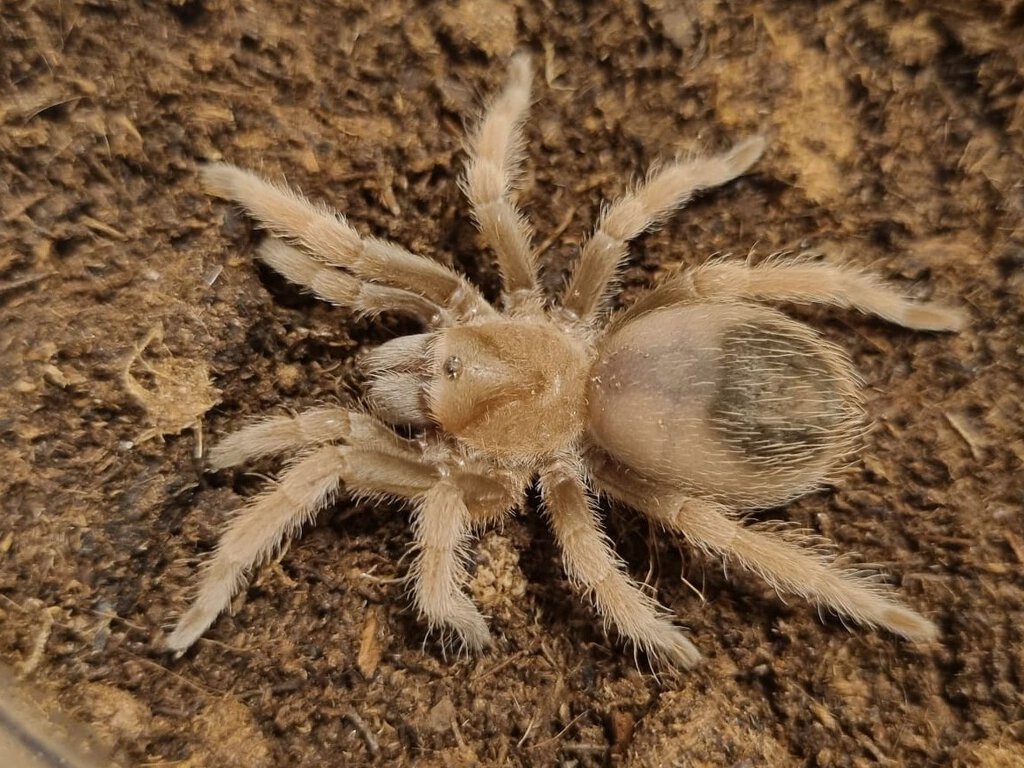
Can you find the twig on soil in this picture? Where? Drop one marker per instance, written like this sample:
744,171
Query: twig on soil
528,731
98,226
500,666
227,646
1013,540
561,733
550,239
28,666
204,689
586,749
360,725
12,285
966,434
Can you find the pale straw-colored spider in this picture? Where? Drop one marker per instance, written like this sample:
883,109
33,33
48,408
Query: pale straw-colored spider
693,405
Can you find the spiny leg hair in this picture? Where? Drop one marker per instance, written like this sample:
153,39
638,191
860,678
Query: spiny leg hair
258,530
593,565
287,434
253,535
495,155
342,289
801,280
665,190
441,527
782,558
327,235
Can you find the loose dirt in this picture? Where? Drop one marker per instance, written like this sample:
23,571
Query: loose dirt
135,329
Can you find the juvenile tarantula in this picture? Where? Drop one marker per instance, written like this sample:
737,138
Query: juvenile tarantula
695,403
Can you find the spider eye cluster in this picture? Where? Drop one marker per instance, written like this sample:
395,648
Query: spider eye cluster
453,367
509,388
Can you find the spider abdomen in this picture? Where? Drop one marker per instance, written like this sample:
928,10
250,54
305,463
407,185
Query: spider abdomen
730,401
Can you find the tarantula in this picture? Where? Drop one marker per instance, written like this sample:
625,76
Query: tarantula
691,406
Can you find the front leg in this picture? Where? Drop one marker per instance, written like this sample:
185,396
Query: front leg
260,528
317,426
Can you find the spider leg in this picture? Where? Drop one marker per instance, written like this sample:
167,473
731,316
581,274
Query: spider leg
495,154
285,434
441,526
342,289
325,233
782,558
798,280
664,191
472,495
592,564
258,530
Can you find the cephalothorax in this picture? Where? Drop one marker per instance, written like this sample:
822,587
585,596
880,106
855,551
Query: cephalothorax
692,405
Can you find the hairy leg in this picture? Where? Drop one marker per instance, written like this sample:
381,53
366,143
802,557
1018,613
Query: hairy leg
592,564
782,558
258,530
495,154
253,535
325,233
441,526
286,434
342,289
799,280
665,190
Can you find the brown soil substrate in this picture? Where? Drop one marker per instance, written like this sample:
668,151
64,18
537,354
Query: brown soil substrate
130,309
